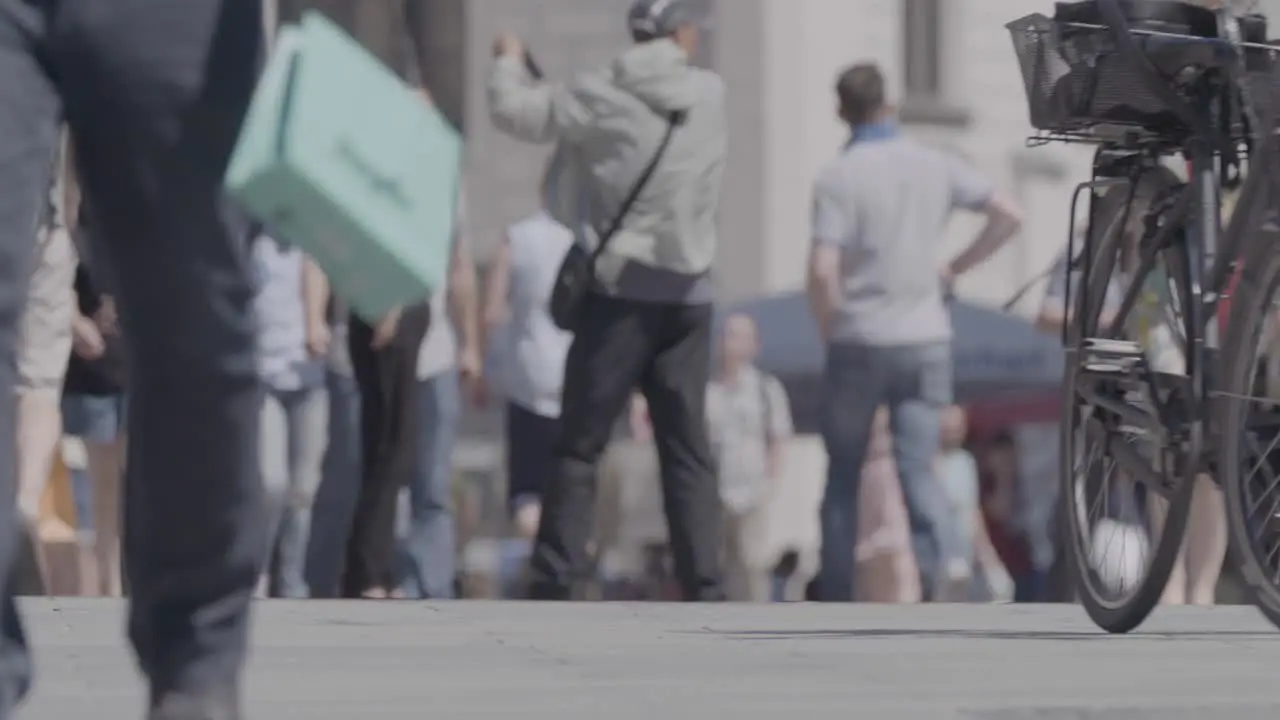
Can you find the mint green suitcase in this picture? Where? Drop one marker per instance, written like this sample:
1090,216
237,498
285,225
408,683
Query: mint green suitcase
339,157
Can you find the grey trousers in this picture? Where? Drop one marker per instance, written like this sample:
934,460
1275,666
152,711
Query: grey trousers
154,92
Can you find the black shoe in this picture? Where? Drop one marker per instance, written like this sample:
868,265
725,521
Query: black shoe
183,706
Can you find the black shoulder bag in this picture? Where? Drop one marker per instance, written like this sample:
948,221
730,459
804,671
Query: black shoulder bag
578,270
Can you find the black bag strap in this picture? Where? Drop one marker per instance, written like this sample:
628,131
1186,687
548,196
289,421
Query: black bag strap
674,120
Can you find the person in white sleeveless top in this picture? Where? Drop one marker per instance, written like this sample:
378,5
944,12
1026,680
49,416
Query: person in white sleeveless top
45,343
532,354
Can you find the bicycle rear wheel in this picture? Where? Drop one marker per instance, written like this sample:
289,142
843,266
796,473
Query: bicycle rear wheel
1249,418
1126,483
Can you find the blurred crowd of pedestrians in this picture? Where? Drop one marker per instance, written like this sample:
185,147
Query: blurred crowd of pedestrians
652,389
234,430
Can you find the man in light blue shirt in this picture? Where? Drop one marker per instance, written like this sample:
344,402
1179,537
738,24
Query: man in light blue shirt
880,209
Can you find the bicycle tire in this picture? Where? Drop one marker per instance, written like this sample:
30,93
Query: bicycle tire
1113,617
1258,281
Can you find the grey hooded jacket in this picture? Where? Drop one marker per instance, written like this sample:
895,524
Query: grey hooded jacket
609,123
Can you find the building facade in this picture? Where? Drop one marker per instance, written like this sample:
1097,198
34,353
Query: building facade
951,64
950,61
957,84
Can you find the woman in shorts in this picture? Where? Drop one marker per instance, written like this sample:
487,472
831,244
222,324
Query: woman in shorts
93,405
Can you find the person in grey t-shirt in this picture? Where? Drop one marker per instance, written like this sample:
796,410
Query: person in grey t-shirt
880,210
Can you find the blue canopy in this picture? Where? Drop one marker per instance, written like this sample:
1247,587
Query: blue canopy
992,350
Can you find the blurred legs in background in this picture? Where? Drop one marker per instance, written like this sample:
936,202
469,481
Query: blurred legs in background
428,552
335,501
98,422
390,437
294,435
747,575
44,348
1194,580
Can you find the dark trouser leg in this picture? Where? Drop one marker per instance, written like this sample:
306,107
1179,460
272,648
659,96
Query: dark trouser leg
366,366
29,115
853,387
389,412
155,92
606,360
336,499
531,461
675,385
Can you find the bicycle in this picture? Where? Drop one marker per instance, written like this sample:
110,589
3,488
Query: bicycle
1147,81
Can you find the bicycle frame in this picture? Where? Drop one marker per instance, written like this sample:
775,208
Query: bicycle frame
1146,407
1198,208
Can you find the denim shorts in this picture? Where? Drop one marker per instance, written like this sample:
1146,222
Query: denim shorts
93,418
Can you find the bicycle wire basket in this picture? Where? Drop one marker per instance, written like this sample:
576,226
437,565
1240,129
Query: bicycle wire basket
1077,78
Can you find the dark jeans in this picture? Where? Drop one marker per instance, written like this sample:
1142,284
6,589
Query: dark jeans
531,457
664,350
390,427
154,91
429,554
336,499
914,383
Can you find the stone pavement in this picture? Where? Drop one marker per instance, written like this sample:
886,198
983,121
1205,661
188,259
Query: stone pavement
391,661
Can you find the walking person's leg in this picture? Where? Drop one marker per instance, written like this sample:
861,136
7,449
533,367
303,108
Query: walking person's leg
156,92
273,453
404,446
852,391
429,546
1206,545
531,462
675,384
98,422
1175,589
29,116
108,516
44,349
754,539
734,562
390,418
357,577
605,362
922,392
308,434
530,465
335,501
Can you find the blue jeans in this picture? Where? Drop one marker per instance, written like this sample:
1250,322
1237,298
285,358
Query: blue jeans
295,429
335,501
94,418
914,383
428,551
82,489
